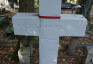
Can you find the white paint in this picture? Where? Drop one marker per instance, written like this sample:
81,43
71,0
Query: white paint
69,25
48,49
26,24
50,7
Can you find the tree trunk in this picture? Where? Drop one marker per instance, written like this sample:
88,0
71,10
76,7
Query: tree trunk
26,5
72,47
87,9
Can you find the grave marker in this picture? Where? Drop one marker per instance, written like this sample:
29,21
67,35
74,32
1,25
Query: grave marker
89,58
49,26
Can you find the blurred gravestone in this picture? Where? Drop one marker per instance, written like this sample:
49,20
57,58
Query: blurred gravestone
2,2
89,59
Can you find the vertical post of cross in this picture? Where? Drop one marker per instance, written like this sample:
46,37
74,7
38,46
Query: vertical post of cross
48,45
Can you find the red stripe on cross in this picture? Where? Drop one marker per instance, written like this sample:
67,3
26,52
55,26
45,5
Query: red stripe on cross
50,17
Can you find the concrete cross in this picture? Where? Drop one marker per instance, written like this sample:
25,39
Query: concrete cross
49,26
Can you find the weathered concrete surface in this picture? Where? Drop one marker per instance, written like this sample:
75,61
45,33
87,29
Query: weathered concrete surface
24,55
89,59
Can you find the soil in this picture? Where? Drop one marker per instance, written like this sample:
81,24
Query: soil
6,54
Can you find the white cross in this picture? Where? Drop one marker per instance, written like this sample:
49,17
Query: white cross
49,30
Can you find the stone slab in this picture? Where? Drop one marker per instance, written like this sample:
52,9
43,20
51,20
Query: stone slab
24,55
90,49
89,59
29,24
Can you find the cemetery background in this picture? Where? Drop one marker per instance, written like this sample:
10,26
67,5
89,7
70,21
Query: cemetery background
62,54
